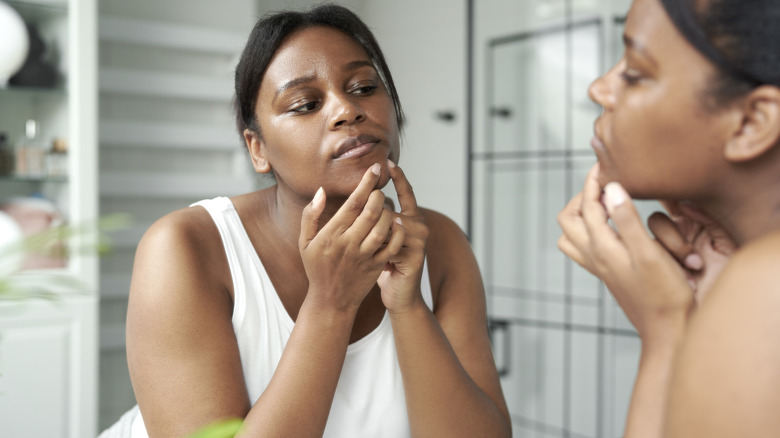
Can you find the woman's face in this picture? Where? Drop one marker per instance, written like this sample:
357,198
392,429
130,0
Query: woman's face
324,114
656,135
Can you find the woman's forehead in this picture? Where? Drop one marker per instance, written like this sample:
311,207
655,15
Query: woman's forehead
315,48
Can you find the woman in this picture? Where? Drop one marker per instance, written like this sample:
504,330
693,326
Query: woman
691,114
310,308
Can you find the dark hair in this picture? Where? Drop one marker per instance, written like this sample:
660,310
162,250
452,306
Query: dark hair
269,33
741,37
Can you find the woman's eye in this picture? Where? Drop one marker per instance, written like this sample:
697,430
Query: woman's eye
364,88
305,107
631,77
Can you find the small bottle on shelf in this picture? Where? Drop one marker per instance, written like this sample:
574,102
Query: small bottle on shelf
7,158
30,154
57,159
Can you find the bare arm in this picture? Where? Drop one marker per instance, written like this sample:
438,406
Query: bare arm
179,329
450,379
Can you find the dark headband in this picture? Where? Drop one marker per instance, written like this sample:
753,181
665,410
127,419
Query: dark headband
683,16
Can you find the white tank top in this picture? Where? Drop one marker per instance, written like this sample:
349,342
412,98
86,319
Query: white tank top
369,399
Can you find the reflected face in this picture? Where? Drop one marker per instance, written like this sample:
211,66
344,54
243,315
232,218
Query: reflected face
655,135
324,114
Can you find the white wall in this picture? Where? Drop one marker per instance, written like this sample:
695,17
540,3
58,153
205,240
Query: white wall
425,43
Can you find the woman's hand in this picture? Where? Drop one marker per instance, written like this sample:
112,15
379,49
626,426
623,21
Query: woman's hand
400,281
644,278
699,243
344,259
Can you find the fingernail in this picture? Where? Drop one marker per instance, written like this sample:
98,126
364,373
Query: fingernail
390,163
399,222
375,168
614,195
693,261
317,196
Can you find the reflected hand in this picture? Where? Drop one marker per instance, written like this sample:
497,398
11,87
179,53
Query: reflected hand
647,282
700,244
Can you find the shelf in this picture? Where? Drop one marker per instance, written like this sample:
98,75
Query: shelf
37,10
14,91
172,186
167,135
170,35
33,179
169,85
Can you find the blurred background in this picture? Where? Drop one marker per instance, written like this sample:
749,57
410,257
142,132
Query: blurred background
128,110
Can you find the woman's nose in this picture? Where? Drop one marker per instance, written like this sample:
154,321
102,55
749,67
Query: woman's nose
345,112
602,90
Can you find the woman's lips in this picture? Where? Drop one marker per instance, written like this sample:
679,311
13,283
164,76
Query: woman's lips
597,144
357,151
356,146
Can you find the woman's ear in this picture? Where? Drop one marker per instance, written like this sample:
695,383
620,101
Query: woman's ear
759,131
257,151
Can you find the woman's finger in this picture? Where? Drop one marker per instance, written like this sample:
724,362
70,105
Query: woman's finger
403,189
627,221
594,214
571,223
310,218
668,234
394,245
353,206
378,234
573,252
720,240
372,213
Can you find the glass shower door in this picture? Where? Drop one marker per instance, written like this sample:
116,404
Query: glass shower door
565,351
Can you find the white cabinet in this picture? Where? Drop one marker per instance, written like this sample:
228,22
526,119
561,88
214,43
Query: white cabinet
48,348
47,360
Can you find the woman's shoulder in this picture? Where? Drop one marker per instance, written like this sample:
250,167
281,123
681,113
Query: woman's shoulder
185,227
183,243
440,225
445,237
728,366
449,253
180,268
739,314
754,270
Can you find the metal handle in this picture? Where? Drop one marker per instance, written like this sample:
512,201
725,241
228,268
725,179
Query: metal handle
496,326
445,115
503,112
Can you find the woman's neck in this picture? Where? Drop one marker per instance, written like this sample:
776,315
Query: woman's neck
747,214
286,210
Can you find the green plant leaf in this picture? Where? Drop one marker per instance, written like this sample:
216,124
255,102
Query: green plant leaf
221,429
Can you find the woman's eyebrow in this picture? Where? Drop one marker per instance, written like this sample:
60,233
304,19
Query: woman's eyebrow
354,65
638,48
294,83
350,66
